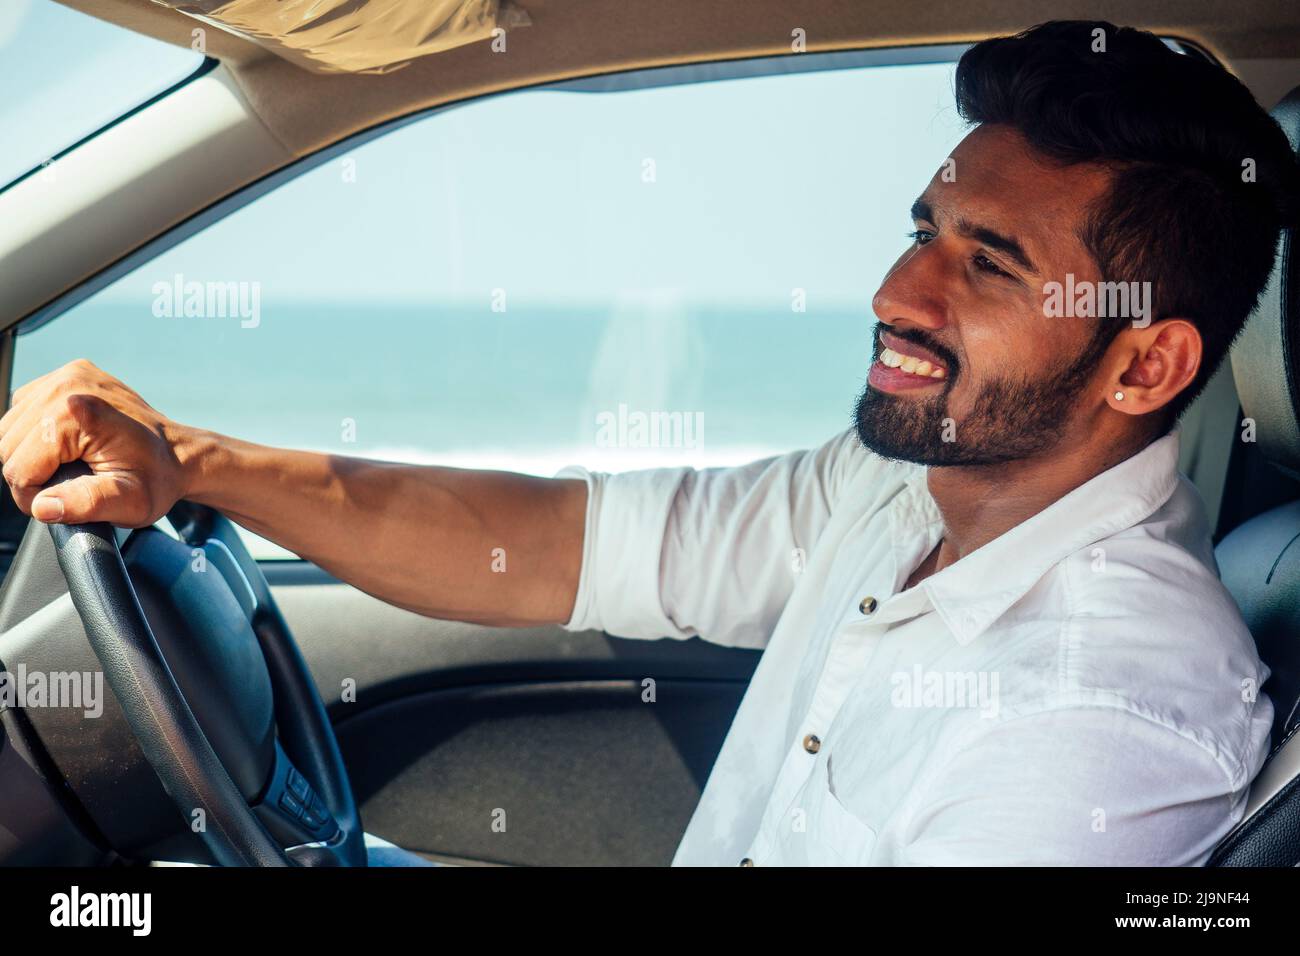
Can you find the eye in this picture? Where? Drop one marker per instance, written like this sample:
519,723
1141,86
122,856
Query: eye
920,236
985,264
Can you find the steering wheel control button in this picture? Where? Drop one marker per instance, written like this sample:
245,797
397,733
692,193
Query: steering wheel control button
298,785
317,816
291,805
812,743
868,606
313,819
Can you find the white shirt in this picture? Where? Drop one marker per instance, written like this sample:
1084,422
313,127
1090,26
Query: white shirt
1081,690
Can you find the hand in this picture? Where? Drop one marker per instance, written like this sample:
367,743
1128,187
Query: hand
80,412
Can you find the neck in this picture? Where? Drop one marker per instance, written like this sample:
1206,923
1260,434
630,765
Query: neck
982,502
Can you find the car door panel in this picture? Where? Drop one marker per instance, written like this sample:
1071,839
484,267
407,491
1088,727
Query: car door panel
519,746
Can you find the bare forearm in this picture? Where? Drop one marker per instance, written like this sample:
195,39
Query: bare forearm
482,546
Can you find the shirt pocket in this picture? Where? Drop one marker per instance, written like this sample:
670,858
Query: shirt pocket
821,831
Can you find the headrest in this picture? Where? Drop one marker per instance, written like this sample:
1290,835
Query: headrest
1266,358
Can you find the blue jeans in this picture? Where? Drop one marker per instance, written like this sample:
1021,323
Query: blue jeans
379,852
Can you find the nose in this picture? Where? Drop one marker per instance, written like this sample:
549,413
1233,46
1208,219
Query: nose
913,291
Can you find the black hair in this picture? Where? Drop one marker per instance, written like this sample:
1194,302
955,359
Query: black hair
1203,177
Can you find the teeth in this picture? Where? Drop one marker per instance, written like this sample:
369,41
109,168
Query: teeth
910,364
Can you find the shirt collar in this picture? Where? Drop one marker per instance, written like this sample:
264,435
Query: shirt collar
975,591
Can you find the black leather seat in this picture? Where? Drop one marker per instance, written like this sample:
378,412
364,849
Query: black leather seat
1260,560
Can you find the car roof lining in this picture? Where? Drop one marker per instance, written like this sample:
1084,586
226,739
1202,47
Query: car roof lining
572,38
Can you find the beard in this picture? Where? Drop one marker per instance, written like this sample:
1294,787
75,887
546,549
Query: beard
1011,419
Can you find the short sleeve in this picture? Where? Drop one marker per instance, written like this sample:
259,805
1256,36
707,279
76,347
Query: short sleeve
680,552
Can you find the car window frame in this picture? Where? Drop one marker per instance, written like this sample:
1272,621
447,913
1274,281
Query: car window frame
206,66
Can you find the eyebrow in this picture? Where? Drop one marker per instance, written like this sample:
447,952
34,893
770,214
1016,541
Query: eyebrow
990,237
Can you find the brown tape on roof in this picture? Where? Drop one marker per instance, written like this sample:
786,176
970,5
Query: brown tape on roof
355,36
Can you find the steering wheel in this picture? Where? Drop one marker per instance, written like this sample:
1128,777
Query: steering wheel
213,687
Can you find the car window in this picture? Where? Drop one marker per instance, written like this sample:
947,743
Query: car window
66,75
678,274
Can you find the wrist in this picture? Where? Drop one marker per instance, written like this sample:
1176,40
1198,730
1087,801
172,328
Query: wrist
196,451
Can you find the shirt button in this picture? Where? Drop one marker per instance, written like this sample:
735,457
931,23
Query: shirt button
746,862
812,743
868,605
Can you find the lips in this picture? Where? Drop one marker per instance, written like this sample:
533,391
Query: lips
903,366
911,357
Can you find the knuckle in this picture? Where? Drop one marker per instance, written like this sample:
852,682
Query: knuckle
81,407
14,476
75,373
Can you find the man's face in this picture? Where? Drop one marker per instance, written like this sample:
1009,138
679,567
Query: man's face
1003,381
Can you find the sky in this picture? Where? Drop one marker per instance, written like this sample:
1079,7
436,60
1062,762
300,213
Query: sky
546,193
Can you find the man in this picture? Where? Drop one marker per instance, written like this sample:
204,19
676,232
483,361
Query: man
992,627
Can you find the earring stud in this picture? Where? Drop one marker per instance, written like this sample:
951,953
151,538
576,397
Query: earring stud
1119,396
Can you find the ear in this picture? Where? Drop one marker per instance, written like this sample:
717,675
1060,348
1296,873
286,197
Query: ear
1150,366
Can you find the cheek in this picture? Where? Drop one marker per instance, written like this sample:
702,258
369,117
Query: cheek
995,351
1014,340
986,350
